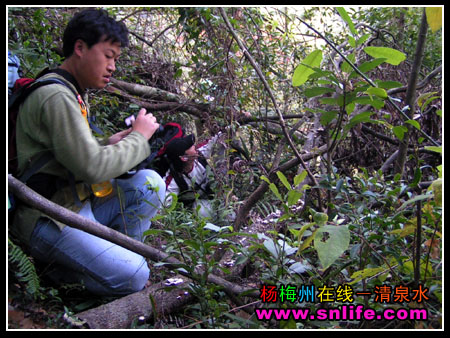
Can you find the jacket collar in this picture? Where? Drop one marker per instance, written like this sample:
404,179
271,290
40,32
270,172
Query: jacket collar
65,74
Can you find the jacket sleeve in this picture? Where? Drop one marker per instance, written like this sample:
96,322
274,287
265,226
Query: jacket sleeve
71,140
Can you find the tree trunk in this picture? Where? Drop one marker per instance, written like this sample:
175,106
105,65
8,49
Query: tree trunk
411,93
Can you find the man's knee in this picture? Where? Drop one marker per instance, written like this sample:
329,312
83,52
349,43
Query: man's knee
154,183
139,279
130,280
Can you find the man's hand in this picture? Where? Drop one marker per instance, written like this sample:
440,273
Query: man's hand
145,124
113,139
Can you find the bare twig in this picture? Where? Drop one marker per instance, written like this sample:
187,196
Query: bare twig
150,43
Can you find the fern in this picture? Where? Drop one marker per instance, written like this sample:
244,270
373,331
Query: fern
26,271
265,208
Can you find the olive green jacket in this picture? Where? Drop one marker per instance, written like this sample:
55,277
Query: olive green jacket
50,119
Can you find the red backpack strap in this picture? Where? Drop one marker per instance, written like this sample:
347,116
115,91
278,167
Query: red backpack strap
178,134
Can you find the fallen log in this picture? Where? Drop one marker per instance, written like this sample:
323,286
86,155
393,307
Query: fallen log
147,92
121,313
196,110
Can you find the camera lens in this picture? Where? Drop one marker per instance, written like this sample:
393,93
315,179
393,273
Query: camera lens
158,133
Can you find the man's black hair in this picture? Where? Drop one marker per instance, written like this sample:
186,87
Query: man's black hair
91,26
177,148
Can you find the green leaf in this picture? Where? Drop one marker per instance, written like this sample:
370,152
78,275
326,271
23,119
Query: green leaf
366,273
435,149
436,186
274,189
380,92
329,100
400,131
434,18
346,66
327,117
359,118
406,231
351,41
316,91
414,123
334,246
283,180
304,70
343,13
367,66
417,178
293,196
392,56
264,178
303,229
307,242
388,84
415,199
300,177
320,218
173,203
374,102
152,232
424,97
363,39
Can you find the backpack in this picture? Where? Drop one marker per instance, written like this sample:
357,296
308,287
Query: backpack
21,89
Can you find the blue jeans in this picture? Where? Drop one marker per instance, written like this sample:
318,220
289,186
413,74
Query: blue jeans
104,268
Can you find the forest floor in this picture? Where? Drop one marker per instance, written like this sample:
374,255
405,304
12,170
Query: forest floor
58,304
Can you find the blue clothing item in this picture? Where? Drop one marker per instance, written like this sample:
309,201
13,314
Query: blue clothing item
105,268
13,70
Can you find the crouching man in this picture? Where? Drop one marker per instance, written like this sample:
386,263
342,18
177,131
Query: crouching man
53,120
187,173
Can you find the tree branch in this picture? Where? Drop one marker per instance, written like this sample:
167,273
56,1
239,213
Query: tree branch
420,85
187,107
147,92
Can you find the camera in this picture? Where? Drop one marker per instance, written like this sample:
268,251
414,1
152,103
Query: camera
159,133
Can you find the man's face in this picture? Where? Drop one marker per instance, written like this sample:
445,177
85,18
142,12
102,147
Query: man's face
97,64
190,155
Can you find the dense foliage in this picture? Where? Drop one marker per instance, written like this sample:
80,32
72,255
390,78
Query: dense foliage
315,104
